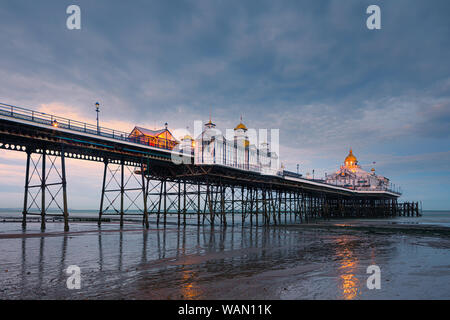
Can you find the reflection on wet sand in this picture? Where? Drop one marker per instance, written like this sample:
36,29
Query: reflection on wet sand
189,288
348,264
170,263
115,257
193,263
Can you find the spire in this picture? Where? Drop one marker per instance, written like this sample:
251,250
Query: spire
210,124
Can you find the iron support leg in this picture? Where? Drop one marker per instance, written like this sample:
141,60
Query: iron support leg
43,179
25,197
64,187
122,191
144,193
165,203
103,194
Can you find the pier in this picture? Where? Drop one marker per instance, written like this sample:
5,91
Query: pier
141,179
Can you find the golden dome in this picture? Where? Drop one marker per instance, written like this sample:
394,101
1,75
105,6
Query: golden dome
187,137
350,158
241,126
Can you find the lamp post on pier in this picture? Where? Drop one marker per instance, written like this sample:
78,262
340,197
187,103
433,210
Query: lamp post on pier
97,109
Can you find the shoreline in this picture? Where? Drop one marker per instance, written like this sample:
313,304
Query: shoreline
356,224
322,260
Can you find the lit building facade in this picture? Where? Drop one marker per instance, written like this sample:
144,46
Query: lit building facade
211,147
162,138
350,175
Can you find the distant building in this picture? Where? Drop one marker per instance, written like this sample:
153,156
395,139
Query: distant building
211,147
161,138
351,175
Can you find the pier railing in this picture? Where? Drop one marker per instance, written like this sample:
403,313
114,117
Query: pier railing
65,123
359,188
291,174
161,143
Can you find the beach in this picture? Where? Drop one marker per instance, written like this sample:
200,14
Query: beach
322,260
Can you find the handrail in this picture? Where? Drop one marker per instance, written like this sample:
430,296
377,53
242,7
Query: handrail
294,175
65,123
365,188
161,143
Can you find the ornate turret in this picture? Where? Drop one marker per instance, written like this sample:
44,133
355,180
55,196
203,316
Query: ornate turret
351,175
350,161
240,126
240,134
210,130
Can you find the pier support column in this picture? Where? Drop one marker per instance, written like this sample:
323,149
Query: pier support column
46,181
198,204
165,203
102,198
232,205
64,189
184,203
257,205
251,205
179,204
43,179
122,191
242,206
145,195
223,207
27,183
279,205
160,195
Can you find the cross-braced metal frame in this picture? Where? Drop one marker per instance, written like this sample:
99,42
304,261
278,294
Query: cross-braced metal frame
143,180
203,202
130,189
45,183
124,190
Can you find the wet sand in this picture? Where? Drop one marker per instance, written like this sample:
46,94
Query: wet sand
326,260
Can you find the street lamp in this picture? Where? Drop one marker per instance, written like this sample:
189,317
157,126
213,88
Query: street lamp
97,109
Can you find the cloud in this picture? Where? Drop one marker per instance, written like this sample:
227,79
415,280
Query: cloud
310,69
435,120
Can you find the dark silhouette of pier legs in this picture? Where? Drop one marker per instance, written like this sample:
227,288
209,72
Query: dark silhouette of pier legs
122,191
64,189
144,196
206,198
27,183
43,181
100,213
124,182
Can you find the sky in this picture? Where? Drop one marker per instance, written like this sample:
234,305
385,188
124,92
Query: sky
311,69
